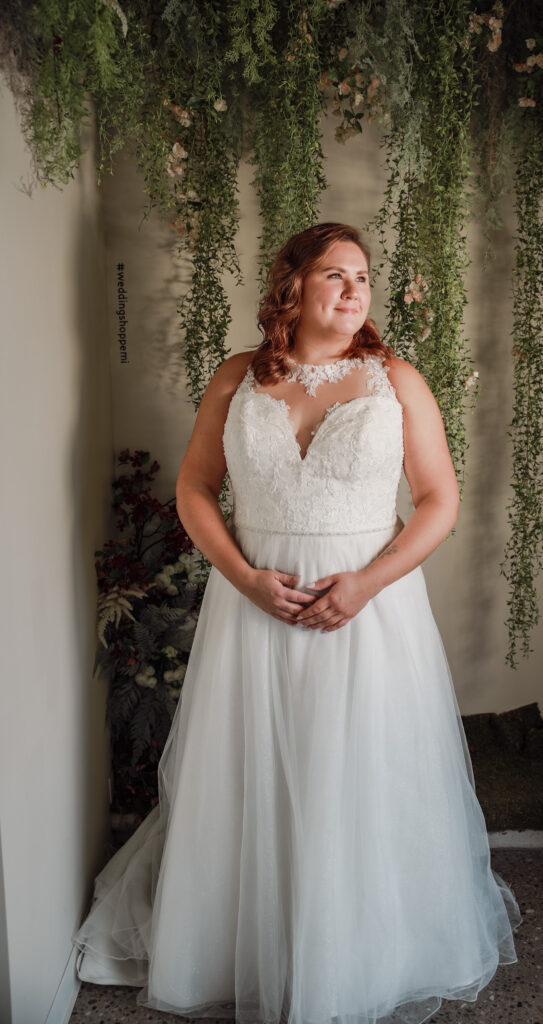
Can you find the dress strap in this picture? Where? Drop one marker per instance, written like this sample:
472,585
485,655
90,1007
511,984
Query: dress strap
377,376
247,382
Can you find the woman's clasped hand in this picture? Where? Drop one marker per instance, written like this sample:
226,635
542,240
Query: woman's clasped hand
345,594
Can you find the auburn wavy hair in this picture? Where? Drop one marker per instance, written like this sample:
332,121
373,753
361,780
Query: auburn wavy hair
281,307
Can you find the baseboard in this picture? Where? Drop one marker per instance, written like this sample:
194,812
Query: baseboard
66,994
525,838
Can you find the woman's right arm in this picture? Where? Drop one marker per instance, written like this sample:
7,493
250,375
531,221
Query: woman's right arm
198,487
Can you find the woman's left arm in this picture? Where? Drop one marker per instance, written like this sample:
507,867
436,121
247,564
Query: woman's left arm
431,477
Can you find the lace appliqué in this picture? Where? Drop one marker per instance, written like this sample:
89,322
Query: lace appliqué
377,373
331,408
311,375
348,479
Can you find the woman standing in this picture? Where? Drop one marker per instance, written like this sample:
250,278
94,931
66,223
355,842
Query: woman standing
318,853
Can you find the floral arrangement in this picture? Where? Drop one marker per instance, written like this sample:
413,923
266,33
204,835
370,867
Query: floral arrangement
150,585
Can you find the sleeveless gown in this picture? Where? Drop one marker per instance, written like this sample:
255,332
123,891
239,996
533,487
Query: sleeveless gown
318,853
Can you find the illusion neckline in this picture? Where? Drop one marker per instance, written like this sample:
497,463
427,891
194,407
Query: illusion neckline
285,409
322,366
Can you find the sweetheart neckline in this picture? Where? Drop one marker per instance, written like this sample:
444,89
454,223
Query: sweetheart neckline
286,408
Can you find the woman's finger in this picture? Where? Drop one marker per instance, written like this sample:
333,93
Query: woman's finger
291,594
335,624
308,618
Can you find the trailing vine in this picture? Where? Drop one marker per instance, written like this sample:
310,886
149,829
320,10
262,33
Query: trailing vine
524,548
285,130
426,192
189,86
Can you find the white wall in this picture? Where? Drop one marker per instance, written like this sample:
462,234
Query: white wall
152,410
57,463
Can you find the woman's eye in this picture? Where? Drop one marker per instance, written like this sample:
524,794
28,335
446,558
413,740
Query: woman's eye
362,277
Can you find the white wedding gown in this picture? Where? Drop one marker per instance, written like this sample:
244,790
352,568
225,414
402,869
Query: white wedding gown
318,853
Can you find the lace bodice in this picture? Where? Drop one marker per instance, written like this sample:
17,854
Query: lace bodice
348,480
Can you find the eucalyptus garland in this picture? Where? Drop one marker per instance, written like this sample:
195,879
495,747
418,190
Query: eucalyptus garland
189,86
524,549
426,194
285,133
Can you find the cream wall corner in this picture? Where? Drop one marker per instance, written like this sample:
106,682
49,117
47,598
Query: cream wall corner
58,461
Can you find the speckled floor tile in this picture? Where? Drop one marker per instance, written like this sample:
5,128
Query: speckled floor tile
513,996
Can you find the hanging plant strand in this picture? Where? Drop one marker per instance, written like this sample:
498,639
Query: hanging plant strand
524,549
285,134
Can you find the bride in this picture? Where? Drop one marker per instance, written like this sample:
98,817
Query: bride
318,853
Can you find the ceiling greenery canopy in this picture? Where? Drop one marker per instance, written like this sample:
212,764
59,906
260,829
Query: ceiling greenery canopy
189,86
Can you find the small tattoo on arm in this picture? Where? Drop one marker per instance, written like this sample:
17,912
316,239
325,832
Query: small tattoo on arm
389,551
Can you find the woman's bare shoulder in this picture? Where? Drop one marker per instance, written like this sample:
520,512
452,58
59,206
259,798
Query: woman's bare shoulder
233,368
229,374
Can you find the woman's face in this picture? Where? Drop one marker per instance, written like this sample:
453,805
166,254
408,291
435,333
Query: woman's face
336,295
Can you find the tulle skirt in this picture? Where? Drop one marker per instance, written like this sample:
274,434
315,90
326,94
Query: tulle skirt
318,853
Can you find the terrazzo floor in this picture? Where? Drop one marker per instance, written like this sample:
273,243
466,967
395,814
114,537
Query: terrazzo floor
513,996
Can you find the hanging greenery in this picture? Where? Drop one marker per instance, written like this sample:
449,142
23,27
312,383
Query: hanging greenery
424,199
284,135
524,549
189,86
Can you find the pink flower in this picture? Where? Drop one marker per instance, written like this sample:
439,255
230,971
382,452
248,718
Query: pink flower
343,88
182,116
526,101
408,298
471,381
530,43
495,42
372,87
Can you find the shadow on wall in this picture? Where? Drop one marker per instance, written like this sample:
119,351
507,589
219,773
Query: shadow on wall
91,472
